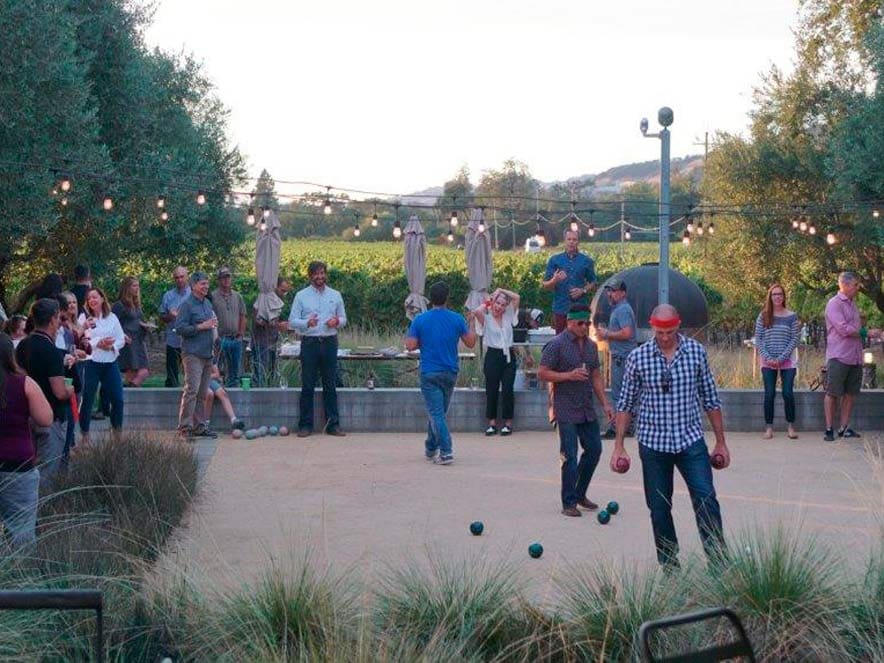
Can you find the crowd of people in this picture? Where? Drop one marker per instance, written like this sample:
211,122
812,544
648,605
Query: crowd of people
76,347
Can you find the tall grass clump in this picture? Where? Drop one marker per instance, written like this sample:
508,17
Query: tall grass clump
470,609
605,605
790,593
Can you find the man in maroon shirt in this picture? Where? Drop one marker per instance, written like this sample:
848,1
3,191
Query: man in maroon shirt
571,363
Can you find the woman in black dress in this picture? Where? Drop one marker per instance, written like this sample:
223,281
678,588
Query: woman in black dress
133,356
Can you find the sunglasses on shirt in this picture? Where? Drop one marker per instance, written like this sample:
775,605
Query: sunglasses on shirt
666,382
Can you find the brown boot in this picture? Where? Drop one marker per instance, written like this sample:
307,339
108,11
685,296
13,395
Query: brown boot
571,511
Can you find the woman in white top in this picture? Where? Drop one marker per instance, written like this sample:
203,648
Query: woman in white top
499,315
105,337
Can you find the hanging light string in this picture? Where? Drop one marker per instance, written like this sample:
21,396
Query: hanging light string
801,214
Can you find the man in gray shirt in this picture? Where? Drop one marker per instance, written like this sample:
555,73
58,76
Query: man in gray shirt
620,335
231,311
172,300
196,324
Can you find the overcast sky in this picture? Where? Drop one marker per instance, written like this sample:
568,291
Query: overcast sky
395,95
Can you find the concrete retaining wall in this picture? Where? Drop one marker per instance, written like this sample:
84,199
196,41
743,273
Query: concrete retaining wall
402,410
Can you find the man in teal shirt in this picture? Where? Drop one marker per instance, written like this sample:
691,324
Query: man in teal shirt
571,277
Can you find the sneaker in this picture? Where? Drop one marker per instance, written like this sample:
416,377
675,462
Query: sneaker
491,430
609,434
443,460
829,435
336,432
185,434
848,432
506,430
204,431
571,511
431,457
238,424
587,504
305,432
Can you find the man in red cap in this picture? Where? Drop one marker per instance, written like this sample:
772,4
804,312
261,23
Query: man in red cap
669,380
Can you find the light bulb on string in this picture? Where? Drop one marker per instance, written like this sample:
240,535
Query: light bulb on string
356,231
266,212
64,202
453,219
161,202
811,229
481,227
65,184
690,227
262,226
54,192
397,229
876,213
574,226
711,227
374,220
164,215
450,236
802,224
591,230
700,228
250,217
327,209
686,238
830,239
108,203
200,198
794,224
627,235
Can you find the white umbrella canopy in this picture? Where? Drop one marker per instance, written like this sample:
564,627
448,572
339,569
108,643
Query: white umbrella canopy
268,305
415,267
479,264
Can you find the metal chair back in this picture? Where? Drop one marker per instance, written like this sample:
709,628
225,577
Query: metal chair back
739,648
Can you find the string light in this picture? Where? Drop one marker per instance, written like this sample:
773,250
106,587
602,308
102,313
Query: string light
627,235
450,236
265,212
453,219
690,227
327,209
830,239
64,202
591,230
574,226
356,230
397,229
200,198
262,226
686,238
802,224
54,192
794,224
250,218
108,203
65,184
374,220
812,229
700,228
161,202
164,215
876,213
711,227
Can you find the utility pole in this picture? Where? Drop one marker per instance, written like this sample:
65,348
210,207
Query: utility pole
665,117
622,227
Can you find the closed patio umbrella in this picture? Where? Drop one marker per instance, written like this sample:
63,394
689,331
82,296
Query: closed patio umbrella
415,267
479,265
268,305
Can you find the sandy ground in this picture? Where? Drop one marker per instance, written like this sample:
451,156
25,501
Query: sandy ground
370,501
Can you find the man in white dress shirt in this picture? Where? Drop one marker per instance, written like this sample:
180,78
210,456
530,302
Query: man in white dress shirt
317,314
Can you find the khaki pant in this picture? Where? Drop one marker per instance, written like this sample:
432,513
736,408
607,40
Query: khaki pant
197,375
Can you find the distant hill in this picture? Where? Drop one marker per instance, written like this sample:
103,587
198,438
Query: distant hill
612,180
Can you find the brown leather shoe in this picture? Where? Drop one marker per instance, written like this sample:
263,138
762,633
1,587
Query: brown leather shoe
571,511
304,433
337,432
588,505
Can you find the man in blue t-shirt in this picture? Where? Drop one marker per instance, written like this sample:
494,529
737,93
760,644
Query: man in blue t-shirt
571,277
436,333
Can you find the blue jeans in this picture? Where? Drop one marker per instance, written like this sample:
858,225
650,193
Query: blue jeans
436,389
694,467
264,365
769,376
576,475
231,353
19,492
108,374
319,356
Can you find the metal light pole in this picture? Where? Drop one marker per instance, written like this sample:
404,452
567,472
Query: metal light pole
665,118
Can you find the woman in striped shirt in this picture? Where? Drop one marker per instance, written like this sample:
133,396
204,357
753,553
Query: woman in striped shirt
777,331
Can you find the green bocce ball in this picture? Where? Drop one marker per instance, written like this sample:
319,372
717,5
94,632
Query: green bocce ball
262,431
604,517
535,550
273,430
251,434
476,528
613,508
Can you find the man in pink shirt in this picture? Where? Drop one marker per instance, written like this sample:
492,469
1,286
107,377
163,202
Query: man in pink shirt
844,355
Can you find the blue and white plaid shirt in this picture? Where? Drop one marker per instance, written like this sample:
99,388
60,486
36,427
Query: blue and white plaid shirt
668,396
